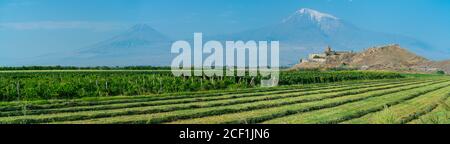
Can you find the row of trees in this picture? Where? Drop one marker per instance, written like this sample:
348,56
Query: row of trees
308,77
68,85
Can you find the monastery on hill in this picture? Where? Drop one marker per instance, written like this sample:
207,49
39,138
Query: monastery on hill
321,58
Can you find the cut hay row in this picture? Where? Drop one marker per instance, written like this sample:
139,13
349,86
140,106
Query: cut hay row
261,115
245,98
358,109
440,115
221,110
155,109
406,111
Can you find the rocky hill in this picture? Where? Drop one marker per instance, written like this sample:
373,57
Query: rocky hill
391,57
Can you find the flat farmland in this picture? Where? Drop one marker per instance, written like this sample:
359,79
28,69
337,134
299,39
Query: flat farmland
396,101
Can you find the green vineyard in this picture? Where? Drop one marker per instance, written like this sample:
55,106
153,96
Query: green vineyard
410,100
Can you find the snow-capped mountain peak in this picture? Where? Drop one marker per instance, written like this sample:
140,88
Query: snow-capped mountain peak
141,28
310,14
318,16
306,17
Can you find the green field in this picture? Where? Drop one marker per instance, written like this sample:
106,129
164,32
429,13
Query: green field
330,98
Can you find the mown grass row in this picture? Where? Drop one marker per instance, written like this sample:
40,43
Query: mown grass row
94,100
290,93
358,109
121,99
221,110
153,109
71,104
406,111
257,116
440,115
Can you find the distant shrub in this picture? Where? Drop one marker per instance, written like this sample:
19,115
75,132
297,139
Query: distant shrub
440,72
317,57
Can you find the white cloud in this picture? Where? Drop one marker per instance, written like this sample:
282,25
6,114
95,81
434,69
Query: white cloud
55,25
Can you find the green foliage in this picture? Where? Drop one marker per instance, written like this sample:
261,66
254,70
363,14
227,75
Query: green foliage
308,77
440,72
69,85
317,57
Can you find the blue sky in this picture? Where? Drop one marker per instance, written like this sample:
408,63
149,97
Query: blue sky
34,27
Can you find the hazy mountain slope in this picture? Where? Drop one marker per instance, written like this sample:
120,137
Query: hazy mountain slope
140,45
139,37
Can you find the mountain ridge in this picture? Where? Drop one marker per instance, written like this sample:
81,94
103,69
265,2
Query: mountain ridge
139,45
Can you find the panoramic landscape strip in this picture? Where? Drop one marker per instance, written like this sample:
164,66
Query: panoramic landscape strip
224,62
